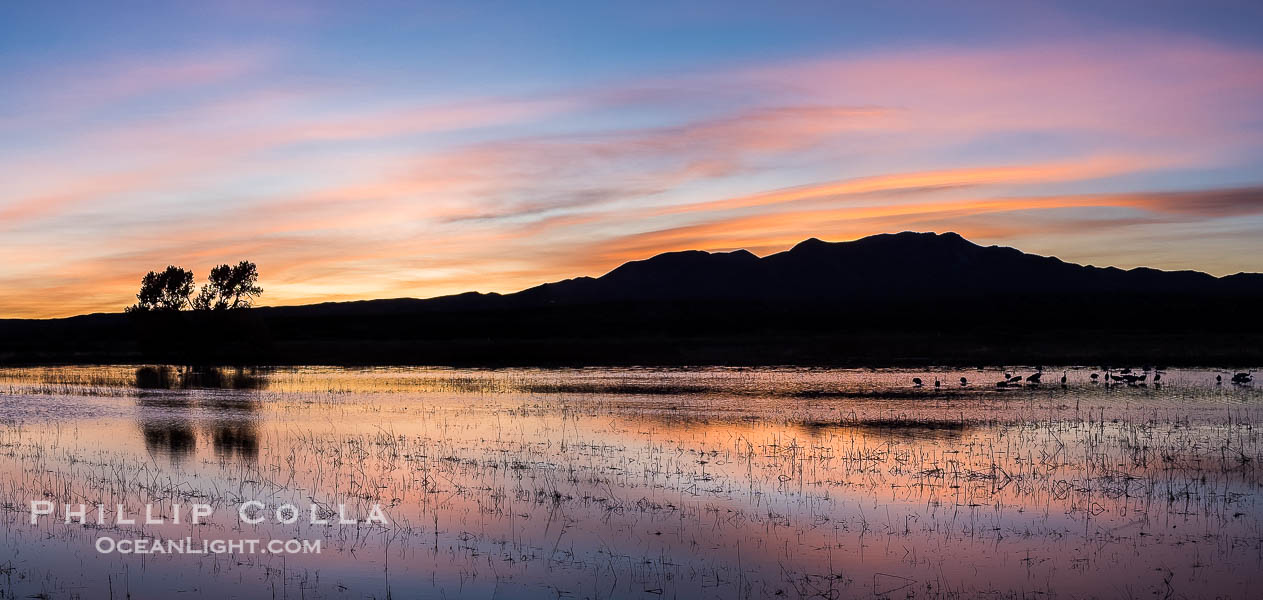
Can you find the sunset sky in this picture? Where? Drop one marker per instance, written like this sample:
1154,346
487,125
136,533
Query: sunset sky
375,150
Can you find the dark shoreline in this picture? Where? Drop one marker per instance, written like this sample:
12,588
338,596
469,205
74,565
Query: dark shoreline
859,350
907,299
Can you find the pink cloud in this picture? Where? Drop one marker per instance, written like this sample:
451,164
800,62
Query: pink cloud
840,147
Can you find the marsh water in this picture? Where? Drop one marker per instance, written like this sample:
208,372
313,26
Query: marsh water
637,483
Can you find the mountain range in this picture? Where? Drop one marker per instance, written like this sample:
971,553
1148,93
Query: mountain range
885,299
904,266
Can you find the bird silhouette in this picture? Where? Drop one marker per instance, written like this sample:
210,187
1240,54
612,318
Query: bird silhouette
1034,377
1094,377
964,381
1219,379
916,381
936,383
1063,378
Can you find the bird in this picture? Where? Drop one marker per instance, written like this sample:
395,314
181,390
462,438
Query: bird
1219,379
1063,378
1094,377
936,383
1157,377
1017,378
964,381
916,381
1034,377
1242,377
1126,371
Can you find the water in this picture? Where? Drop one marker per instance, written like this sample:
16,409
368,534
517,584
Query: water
650,483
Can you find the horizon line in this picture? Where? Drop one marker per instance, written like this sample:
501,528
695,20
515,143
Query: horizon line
670,252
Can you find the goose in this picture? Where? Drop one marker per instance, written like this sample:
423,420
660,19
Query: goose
1242,377
936,383
1094,377
1157,377
1034,377
916,381
1219,379
964,382
1063,378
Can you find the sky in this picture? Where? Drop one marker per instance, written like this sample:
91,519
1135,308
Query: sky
404,149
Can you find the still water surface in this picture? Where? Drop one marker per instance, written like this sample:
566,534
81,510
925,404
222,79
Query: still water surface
639,483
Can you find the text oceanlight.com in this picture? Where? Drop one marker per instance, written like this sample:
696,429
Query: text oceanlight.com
108,545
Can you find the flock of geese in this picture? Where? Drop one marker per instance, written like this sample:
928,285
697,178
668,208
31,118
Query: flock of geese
1123,377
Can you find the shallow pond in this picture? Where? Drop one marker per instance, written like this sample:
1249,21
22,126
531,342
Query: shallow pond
633,483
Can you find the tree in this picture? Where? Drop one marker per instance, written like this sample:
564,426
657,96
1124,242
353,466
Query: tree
165,291
229,288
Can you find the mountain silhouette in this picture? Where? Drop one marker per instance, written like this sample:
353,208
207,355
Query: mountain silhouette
906,266
880,266
885,299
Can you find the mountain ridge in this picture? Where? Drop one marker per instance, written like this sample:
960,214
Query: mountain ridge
885,265
891,299
882,266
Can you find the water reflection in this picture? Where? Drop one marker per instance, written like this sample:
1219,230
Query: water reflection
233,426
656,483
897,427
165,425
169,424
166,377
172,438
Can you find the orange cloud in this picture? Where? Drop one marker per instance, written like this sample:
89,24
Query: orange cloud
338,197
1073,170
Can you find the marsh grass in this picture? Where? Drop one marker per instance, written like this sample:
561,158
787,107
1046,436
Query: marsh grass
546,484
